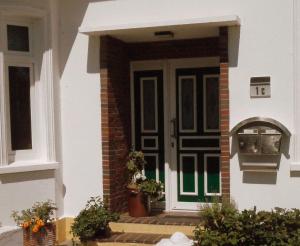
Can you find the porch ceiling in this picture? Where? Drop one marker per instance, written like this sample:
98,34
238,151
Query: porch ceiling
182,29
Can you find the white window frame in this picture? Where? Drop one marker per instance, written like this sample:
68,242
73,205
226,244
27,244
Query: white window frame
43,89
29,154
24,22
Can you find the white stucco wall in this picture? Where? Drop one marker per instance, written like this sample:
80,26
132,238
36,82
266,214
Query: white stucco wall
20,190
80,109
262,46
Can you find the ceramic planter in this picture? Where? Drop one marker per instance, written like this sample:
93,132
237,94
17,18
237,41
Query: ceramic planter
138,203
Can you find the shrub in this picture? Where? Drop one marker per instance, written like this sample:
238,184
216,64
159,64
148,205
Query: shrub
223,224
93,221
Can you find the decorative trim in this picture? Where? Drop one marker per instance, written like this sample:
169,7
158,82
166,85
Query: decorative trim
195,103
143,138
198,148
20,167
142,104
205,175
182,193
204,103
3,113
156,165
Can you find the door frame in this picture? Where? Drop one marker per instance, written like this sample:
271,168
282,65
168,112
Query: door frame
169,66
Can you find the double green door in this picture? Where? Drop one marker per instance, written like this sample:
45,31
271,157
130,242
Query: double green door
193,134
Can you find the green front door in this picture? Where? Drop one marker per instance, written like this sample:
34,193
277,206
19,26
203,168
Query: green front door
149,121
197,134
176,124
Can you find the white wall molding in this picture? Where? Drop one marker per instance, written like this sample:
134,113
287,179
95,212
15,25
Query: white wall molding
3,126
296,40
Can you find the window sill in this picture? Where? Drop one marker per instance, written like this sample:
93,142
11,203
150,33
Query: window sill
19,167
295,167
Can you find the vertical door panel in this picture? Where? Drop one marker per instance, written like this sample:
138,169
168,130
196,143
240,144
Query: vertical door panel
149,121
198,146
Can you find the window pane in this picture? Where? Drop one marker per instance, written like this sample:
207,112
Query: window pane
149,98
188,172
20,115
213,174
17,38
212,103
187,103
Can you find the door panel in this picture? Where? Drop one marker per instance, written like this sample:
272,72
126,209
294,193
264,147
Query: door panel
198,141
149,121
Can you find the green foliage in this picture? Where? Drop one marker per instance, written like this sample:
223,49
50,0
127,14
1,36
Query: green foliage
136,162
40,210
223,224
152,188
93,221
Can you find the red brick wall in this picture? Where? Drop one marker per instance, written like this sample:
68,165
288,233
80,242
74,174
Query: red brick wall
115,103
224,112
115,120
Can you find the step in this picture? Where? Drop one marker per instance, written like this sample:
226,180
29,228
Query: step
163,223
151,228
125,239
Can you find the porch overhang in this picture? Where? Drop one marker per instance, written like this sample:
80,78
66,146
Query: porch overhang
143,31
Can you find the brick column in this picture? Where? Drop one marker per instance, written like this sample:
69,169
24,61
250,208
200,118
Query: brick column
224,112
115,120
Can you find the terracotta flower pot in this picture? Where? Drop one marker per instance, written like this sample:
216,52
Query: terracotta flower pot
138,203
46,236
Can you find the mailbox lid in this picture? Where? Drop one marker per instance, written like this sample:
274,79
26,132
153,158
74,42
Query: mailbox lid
249,143
270,144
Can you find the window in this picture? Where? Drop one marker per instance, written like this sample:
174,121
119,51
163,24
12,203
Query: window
26,87
19,63
17,38
20,109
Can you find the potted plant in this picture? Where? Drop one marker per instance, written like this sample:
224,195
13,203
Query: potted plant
141,191
93,221
38,229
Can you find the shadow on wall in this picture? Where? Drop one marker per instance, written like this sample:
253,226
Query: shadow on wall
233,45
28,176
72,13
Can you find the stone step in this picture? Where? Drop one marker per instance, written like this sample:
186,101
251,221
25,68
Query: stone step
151,228
123,239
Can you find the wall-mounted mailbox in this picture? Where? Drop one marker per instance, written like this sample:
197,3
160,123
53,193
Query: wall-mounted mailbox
260,136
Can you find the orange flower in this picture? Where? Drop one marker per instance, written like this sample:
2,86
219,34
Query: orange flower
26,224
35,228
40,223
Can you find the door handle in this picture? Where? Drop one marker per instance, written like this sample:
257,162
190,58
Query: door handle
174,130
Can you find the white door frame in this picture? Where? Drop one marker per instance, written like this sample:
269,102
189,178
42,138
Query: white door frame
169,67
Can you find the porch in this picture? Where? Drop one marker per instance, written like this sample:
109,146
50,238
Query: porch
120,50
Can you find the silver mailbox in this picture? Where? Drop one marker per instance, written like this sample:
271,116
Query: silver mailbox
260,136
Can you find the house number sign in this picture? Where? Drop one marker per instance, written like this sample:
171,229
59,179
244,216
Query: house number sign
260,87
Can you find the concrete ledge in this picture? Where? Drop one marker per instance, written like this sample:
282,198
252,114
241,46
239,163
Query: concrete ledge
295,167
20,167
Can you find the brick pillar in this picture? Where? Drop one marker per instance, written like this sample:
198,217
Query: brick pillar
224,112
115,120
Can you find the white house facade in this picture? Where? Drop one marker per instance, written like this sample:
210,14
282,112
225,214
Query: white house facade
208,90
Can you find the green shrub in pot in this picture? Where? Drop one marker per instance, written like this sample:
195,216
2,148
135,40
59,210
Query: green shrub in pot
93,221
